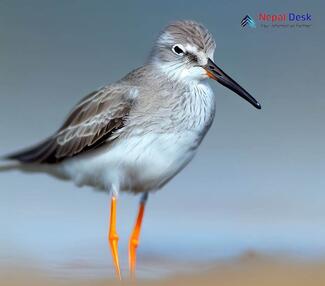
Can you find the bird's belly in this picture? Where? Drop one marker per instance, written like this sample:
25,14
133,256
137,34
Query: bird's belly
152,163
140,163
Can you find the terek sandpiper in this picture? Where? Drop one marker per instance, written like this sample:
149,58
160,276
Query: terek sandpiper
136,134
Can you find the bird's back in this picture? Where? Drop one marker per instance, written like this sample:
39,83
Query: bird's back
90,124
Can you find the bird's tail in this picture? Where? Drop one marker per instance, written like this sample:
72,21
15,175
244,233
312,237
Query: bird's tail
7,165
12,165
23,160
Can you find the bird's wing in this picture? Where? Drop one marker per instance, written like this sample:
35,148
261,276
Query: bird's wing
91,123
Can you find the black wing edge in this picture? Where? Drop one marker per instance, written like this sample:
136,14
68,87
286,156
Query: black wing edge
43,152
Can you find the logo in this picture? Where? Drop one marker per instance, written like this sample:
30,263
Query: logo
280,20
248,20
291,17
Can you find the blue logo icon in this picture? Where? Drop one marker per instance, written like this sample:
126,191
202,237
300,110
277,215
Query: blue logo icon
248,21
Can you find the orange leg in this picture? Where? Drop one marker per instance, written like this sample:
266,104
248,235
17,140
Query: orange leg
113,238
134,238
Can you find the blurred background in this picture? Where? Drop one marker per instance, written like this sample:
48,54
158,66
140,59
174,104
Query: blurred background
255,184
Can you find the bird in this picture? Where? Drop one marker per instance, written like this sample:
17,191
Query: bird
136,134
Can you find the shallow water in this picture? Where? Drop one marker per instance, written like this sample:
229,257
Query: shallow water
43,228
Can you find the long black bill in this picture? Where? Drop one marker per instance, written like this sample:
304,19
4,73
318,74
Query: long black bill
219,75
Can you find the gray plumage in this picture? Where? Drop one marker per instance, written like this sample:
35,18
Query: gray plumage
145,99
138,133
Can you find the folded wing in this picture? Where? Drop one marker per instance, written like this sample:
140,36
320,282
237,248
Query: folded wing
90,124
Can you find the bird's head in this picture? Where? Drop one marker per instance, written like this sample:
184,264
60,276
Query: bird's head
184,52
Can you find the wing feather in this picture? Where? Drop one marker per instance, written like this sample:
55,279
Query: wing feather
91,123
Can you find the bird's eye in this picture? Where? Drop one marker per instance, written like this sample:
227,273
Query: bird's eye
178,50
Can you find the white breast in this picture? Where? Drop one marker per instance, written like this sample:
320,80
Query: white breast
198,108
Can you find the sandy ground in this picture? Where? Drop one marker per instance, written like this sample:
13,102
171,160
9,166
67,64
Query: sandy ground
248,270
